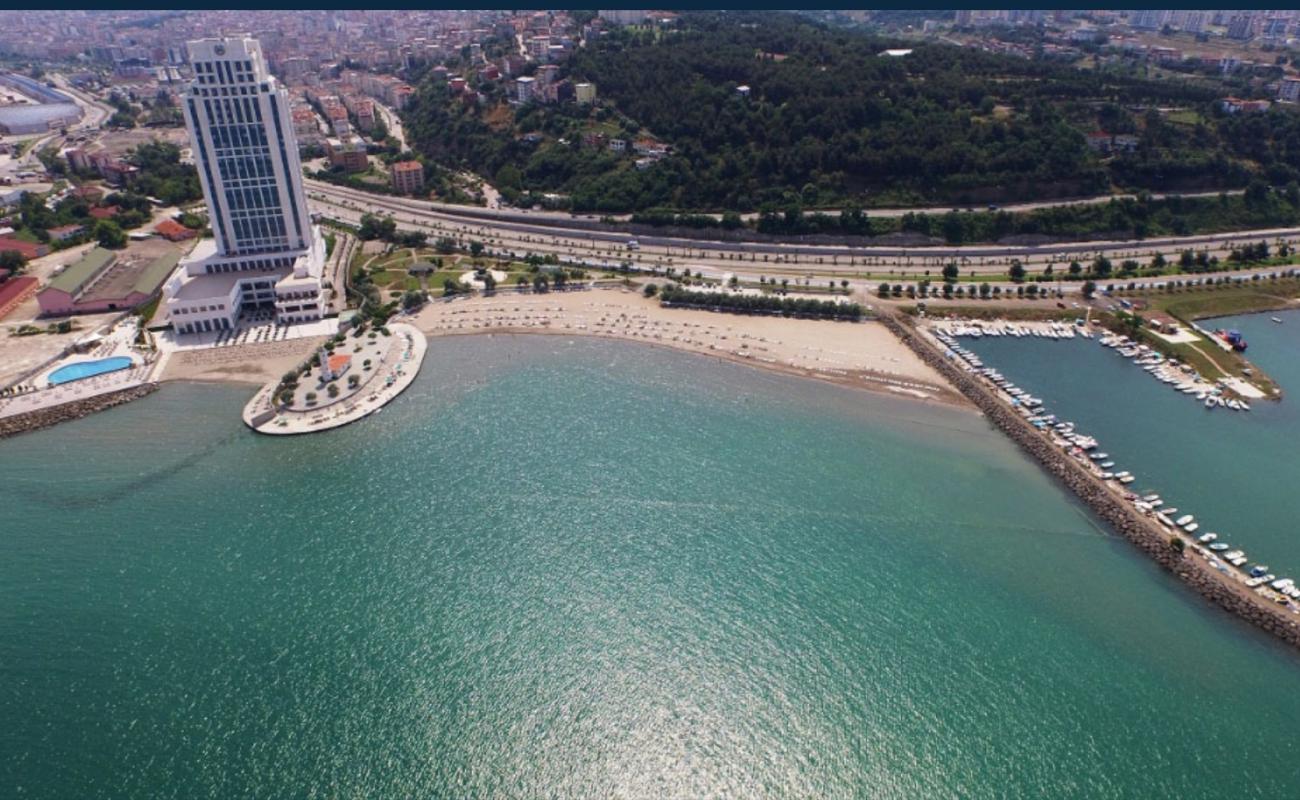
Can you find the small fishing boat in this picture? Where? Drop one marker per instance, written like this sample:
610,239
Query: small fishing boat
1278,320
1184,519
1219,547
1191,527
1206,538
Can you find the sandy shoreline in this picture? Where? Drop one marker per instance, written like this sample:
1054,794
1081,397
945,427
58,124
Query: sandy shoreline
860,355
253,364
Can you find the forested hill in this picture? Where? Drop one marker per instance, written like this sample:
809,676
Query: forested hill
828,120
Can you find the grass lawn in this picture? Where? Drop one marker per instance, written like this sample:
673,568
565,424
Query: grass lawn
1185,117
1218,302
1207,357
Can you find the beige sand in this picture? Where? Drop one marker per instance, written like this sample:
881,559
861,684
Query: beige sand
243,363
858,354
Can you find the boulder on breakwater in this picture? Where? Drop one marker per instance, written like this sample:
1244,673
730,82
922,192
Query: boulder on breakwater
76,409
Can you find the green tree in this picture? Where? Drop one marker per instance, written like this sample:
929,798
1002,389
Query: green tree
109,234
1017,271
951,272
12,260
376,227
412,299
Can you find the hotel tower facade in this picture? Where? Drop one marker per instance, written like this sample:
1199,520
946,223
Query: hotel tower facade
265,253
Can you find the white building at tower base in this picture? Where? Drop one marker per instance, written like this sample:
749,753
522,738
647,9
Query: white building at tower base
209,291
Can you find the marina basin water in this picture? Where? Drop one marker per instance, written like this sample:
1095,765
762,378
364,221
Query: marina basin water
1235,471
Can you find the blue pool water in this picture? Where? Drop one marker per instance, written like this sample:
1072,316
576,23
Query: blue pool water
89,369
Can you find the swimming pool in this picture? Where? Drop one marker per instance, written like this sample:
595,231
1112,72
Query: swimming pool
88,369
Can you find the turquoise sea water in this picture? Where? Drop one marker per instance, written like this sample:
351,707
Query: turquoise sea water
588,569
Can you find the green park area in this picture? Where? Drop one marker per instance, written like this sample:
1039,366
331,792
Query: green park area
423,269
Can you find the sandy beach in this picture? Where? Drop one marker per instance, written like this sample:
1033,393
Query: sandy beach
865,355
242,363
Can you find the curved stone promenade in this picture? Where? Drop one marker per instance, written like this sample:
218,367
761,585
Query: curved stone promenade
396,373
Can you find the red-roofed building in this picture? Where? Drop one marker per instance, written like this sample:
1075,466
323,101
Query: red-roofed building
338,364
15,291
173,231
29,250
104,212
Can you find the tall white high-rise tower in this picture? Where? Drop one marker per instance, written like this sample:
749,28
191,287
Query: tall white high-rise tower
265,253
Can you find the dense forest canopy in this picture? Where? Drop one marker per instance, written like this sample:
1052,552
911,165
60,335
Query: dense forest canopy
830,121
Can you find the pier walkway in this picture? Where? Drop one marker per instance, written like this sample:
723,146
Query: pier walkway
397,371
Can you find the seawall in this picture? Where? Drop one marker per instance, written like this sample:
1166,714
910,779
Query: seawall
1145,534
46,417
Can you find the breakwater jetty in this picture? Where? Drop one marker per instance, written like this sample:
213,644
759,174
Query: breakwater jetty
1150,538
75,409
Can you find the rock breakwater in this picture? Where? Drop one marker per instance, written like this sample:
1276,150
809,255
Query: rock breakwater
1148,537
46,417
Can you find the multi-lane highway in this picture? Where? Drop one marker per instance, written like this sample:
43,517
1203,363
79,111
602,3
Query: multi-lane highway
583,238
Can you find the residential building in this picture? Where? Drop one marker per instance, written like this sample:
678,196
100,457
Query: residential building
347,152
1288,91
524,89
1235,105
407,176
265,254
65,233
585,93
1241,27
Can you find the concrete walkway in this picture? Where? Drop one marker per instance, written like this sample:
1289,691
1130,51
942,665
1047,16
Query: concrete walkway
397,373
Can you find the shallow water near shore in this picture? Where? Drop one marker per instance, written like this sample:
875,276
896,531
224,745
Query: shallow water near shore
580,568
